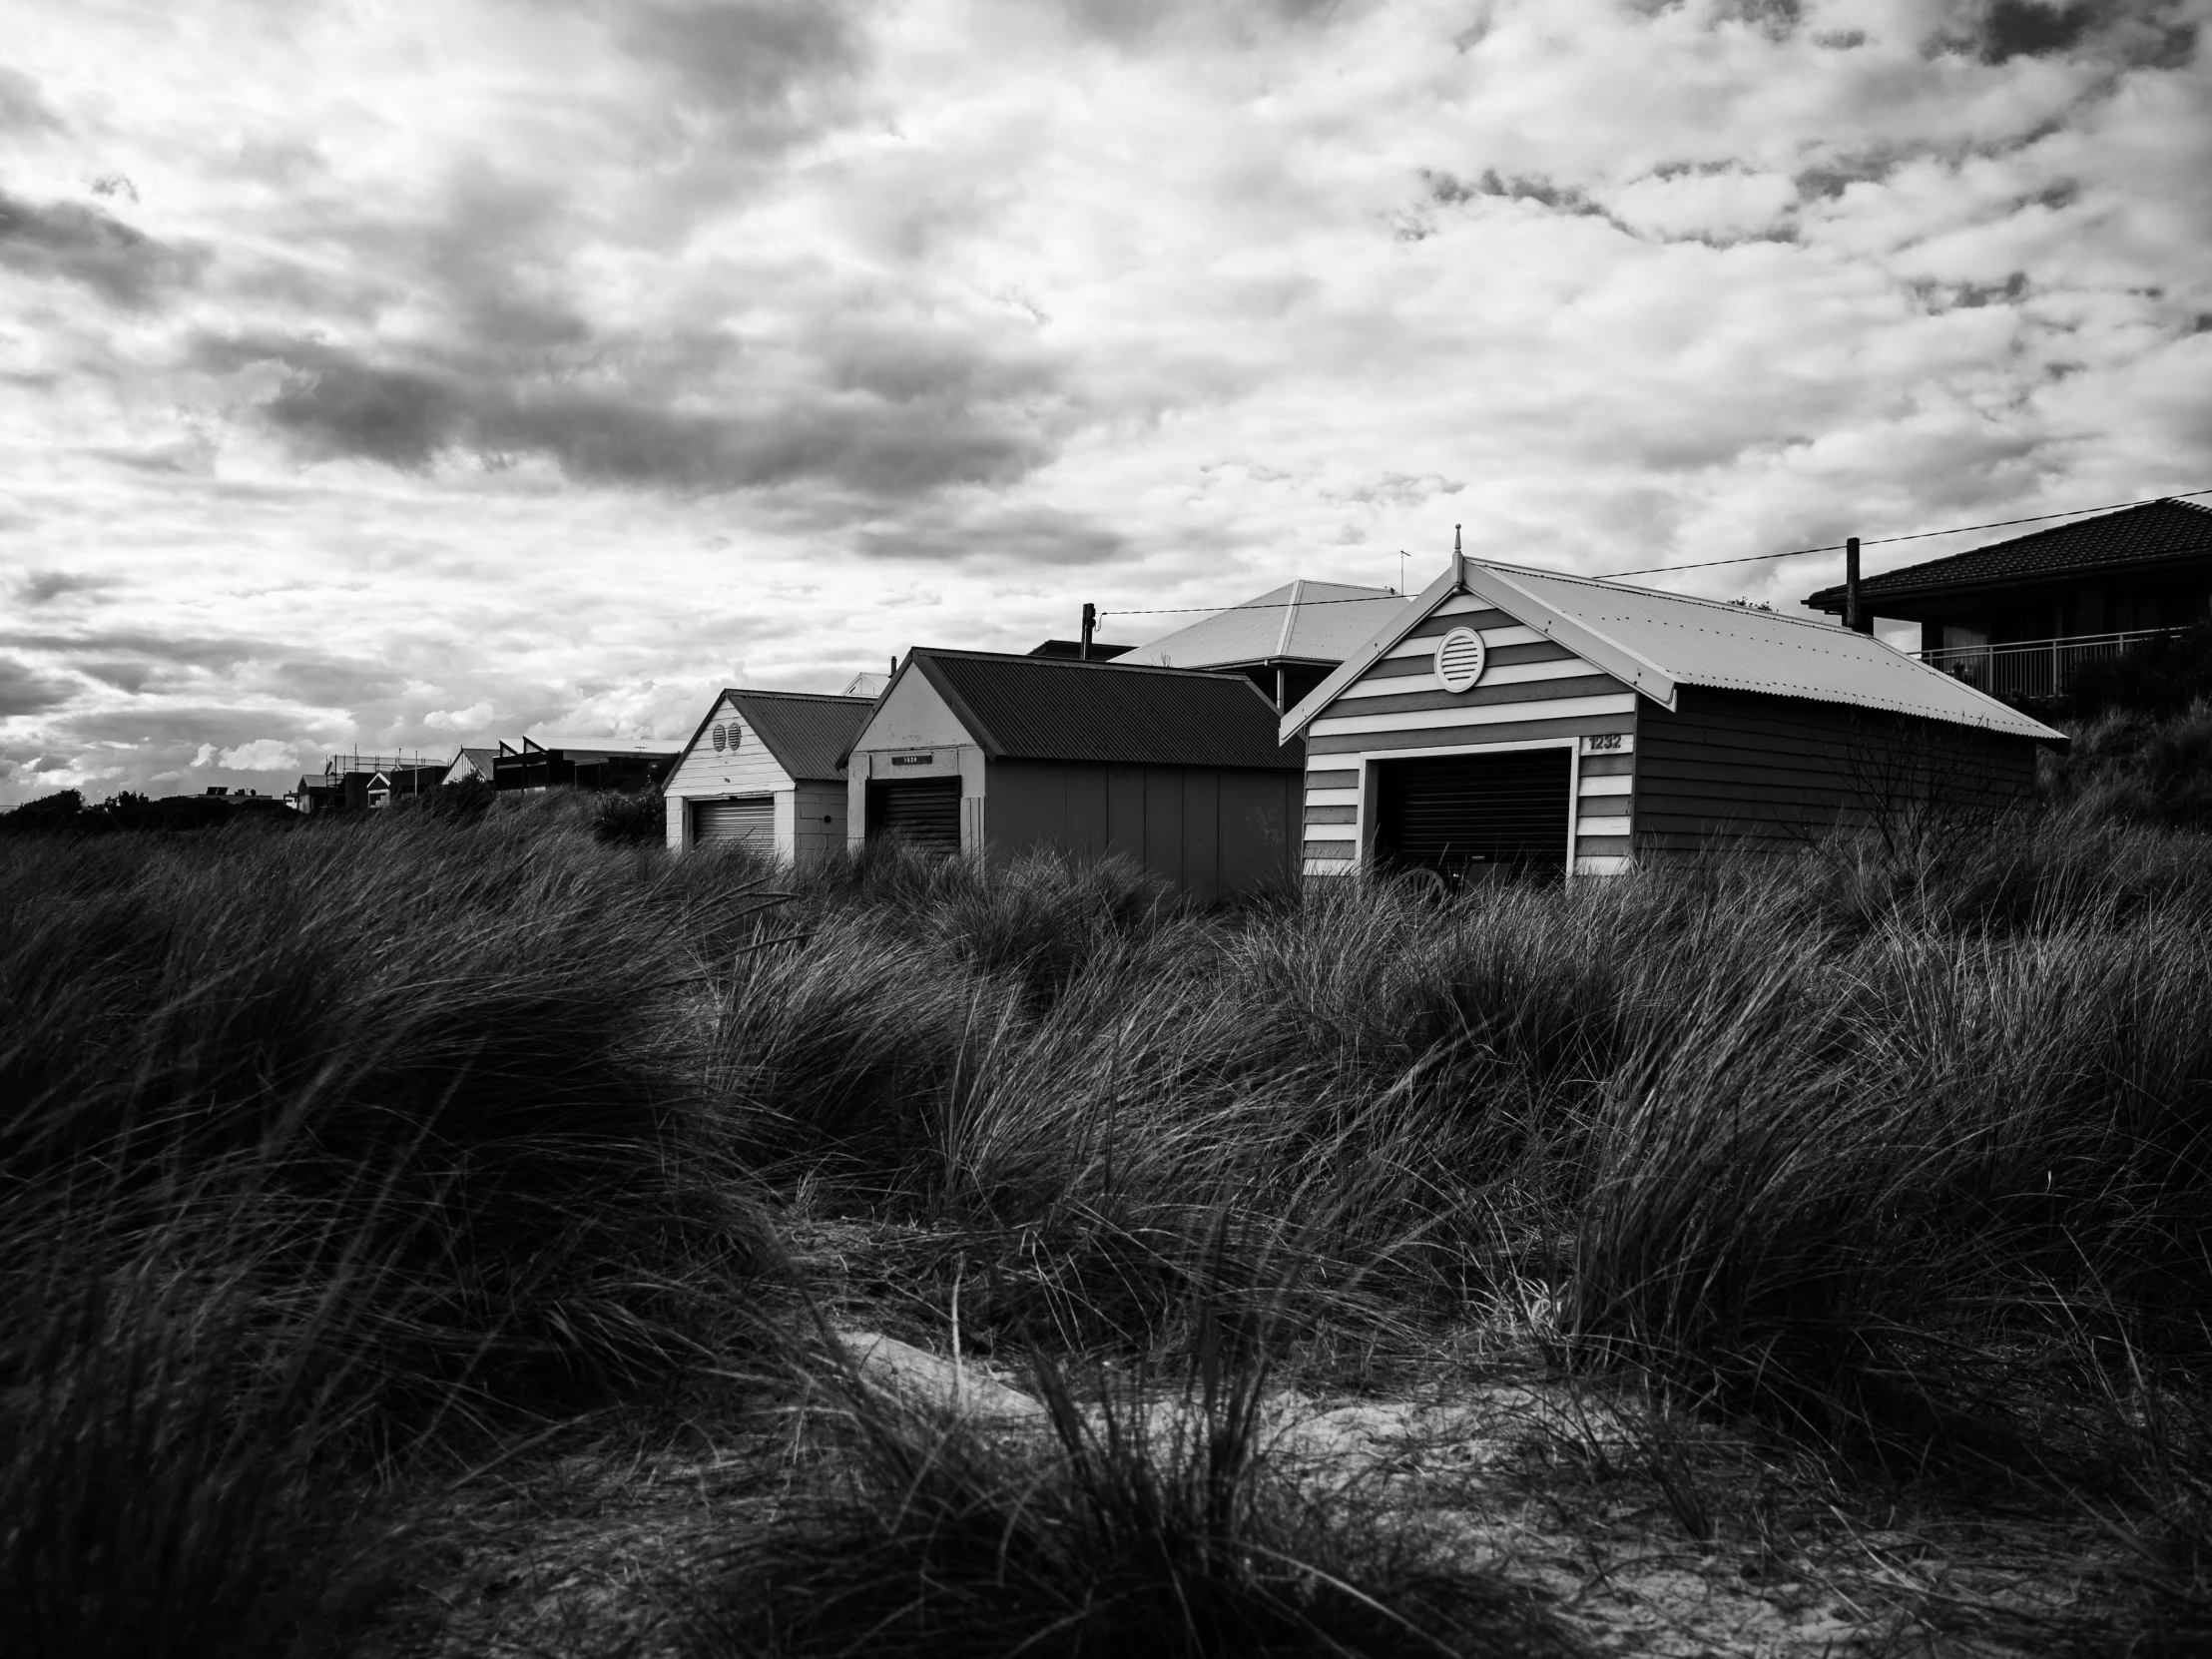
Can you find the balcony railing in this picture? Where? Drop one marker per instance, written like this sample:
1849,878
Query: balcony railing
2035,668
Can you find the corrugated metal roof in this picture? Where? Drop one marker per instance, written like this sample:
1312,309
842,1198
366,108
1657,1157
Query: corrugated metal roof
1706,642
1310,622
1657,641
808,733
2155,531
1051,709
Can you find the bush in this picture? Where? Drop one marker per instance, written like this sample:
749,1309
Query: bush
2151,678
59,810
2141,768
631,820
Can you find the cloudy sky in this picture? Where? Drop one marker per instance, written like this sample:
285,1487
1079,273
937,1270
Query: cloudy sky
393,372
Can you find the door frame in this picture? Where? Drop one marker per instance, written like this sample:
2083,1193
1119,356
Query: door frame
1371,759
691,804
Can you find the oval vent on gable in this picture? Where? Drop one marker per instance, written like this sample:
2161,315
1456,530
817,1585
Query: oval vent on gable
1460,658
720,739
735,731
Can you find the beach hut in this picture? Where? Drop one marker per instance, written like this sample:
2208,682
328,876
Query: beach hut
1525,719
994,755
764,770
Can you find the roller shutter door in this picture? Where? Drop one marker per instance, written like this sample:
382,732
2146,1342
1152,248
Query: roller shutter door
923,813
1460,813
751,819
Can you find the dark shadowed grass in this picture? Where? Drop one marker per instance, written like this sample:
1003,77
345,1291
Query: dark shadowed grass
316,1149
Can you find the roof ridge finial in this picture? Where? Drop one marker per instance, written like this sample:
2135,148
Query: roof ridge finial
1455,541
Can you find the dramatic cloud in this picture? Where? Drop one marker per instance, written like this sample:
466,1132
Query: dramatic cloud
395,378
82,244
25,691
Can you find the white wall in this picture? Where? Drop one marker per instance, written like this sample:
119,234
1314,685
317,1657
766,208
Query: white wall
911,721
703,772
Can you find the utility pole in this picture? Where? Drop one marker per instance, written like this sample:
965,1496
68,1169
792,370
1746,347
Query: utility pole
1090,625
1855,613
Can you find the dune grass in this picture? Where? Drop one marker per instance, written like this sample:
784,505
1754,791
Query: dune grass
1156,1515
321,1148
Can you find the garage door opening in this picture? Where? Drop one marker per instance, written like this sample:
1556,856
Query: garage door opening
1471,816
749,821
924,814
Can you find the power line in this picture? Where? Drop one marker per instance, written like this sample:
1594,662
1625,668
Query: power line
1916,535
1704,564
1284,605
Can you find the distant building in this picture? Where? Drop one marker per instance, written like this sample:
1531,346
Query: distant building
1284,641
764,768
867,685
1100,651
580,762
992,756
475,763
2014,617
1536,721
349,781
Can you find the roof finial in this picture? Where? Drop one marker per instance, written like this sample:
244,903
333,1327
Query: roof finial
1455,541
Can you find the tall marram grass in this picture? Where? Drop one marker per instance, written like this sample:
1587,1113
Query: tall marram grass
1808,1134
314,1145
317,1144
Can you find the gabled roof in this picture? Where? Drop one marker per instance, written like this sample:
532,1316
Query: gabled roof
481,759
806,731
1298,622
1051,709
1657,642
2146,535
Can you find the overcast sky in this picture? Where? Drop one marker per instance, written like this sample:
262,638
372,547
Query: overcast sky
398,373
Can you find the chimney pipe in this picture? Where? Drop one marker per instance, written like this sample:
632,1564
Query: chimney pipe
1091,623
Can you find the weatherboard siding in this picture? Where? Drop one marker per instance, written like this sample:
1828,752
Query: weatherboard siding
1533,692
748,770
708,774
1772,773
1526,721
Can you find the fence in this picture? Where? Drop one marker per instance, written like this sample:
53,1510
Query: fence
2034,668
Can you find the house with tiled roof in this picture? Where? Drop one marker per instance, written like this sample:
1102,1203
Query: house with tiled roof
2014,617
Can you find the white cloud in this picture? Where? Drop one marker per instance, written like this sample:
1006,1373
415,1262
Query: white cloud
476,717
552,366
262,755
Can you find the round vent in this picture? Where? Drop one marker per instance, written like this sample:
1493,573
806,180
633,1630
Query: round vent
1459,660
720,741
